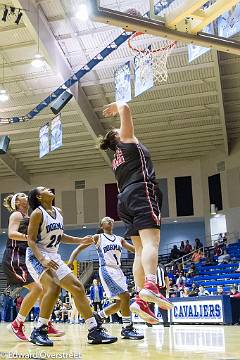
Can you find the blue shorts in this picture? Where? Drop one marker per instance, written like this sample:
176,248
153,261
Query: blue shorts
113,281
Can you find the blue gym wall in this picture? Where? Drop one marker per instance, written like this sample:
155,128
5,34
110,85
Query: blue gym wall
171,234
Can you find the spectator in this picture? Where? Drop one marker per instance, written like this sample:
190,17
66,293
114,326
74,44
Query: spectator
175,253
96,295
192,271
193,291
188,247
181,281
224,258
220,290
220,238
179,267
209,259
198,244
182,248
238,269
18,302
173,267
197,256
217,249
186,292
7,305
234,292
163,285
202,291
225,240
1,307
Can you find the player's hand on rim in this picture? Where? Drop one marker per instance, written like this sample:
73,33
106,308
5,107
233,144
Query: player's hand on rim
50,264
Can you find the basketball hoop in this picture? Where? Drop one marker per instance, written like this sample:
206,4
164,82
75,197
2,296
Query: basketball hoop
159,55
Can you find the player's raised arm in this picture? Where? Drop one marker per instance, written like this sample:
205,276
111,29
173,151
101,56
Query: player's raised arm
128,246
68,239
126,131
80,248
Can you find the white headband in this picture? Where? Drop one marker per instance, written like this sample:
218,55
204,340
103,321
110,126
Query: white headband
13,201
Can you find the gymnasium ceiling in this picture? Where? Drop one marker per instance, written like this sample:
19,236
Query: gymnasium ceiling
189,116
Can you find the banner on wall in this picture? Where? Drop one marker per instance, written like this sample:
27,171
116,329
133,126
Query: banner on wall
44,140
122,78
143,73
228,24
202,311
56,133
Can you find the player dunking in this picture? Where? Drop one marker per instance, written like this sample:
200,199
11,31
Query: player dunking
109,248
45,232
14,264
139,204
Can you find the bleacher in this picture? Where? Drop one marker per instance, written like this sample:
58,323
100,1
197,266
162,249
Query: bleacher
3,280
220,274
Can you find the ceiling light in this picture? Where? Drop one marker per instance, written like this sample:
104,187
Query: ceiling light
175,221
19,16
5,14
82,13
38,61
3,95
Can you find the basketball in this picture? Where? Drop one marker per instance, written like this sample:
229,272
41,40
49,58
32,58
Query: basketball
133,12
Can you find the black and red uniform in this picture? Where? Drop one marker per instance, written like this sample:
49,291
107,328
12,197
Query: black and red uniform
14,263
139,199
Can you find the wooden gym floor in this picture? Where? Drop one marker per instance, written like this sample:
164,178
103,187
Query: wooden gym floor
195,342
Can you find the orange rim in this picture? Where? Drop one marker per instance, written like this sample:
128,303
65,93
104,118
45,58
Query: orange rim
171,44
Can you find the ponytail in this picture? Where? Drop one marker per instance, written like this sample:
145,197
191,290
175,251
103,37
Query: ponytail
7,203
109,141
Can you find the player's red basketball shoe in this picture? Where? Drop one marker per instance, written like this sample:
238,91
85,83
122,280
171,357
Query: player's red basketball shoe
142,309
17,328
150,293
52,331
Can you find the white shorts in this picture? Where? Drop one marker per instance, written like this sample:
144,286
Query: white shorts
36,269
113,281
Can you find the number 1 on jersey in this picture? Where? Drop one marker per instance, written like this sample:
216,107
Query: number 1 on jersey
115,257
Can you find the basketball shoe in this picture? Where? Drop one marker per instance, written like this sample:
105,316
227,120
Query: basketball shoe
142,309
52,331
130,333
150,293
39,336
98,335
17,328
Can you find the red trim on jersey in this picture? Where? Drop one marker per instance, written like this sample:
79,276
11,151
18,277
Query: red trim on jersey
11,262
144,171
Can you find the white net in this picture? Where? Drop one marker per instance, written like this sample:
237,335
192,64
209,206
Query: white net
159,55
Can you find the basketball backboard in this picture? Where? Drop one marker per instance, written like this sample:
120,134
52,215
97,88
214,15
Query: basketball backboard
179,20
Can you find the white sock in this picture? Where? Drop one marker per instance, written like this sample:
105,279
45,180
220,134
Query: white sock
126,320
102,314
91,323
152,278
41,321
20,318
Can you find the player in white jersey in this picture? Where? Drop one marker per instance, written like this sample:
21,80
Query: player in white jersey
45,232
109,248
